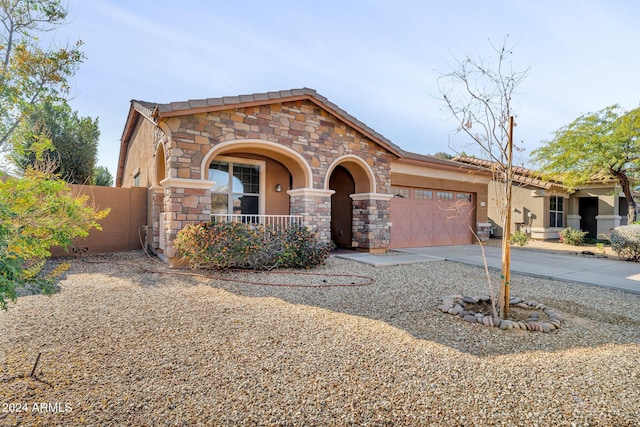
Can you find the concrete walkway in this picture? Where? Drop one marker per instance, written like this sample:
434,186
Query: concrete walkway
575,268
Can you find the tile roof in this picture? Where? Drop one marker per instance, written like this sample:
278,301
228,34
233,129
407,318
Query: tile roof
521,174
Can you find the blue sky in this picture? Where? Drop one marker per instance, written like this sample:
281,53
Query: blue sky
378,60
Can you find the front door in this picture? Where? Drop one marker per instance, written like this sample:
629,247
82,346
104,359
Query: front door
588,211
343,184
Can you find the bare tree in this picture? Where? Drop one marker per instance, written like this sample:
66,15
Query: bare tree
478,93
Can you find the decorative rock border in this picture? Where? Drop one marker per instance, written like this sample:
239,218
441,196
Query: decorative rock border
459,305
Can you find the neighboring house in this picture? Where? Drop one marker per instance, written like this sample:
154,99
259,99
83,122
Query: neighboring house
293,156
542,208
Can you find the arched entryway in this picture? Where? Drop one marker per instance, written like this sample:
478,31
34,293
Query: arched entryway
344,185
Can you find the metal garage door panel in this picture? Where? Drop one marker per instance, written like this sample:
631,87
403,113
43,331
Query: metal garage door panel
430,223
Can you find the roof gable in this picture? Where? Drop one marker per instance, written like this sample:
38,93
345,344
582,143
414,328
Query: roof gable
195,106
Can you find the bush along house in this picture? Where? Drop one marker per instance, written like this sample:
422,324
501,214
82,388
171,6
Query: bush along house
293,156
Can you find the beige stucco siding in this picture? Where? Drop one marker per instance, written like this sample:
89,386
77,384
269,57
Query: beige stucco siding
140,155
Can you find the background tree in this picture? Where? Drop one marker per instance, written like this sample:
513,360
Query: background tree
102,177
443,155
478,93
73,141
600,145
29,73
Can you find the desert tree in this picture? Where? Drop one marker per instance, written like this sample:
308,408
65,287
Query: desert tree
478,93
596,146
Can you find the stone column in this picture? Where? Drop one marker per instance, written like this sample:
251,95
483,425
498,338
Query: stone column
483,231
315,208
371,221
186,201
156,194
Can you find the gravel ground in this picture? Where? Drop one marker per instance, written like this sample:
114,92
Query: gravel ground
123,346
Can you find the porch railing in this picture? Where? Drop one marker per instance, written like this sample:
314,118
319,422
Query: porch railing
276,221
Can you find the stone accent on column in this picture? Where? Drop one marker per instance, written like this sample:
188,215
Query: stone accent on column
186,201
156,195
371,221
483,231
315,208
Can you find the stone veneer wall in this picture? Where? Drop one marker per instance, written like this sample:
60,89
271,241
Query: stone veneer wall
183,206
302,126
371,224
315,210
156,195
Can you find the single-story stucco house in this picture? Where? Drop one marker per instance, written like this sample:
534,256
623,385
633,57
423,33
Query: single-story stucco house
293,156
543,208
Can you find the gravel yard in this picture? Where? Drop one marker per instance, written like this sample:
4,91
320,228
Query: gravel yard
123,346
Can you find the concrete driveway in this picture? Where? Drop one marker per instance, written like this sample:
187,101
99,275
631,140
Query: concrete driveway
576,268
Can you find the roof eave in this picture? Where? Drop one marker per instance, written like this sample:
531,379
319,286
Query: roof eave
449,166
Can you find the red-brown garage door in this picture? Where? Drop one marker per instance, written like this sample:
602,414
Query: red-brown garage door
423,217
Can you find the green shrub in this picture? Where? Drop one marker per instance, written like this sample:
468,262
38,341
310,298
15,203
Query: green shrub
249,246
519,238
300,249
37,212
570,236
625,241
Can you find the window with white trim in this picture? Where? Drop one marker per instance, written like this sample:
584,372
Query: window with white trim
556,211
237,186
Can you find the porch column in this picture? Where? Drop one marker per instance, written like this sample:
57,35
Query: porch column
573,221
315,208
156,193
606,223
371,221
186,201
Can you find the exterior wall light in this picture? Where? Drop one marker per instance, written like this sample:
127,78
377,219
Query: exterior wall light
278,188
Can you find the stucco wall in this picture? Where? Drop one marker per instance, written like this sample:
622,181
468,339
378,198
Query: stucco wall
120,229
523,203
140,155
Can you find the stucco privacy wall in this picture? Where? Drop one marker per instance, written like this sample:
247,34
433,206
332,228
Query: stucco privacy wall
316,136
121,229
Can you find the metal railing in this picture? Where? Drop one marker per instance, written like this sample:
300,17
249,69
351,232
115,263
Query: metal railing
276,221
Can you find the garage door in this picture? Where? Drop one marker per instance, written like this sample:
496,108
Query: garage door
422,217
